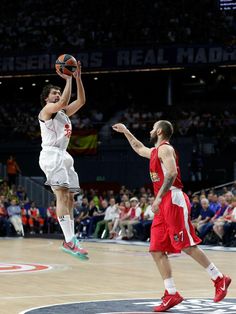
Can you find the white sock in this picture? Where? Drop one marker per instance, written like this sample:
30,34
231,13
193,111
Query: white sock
170,285
65,224
72,222
213,271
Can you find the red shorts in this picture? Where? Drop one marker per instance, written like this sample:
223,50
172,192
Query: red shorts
172,229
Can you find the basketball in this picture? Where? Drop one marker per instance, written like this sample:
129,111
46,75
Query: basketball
66,64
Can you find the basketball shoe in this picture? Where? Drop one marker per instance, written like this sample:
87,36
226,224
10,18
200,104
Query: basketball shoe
79,248
168,301
73,248
221,286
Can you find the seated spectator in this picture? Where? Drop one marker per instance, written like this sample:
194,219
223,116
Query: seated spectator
143,202
132,218
21,194
80,213
195,208
14,213
124,208
218,227
85,220
229,196
111,213
205,215
4,223
98,215
214,205
229,237
144,226
51,217
36,222
208,227
25,219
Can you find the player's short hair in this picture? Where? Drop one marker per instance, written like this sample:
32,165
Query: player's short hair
167,128
46,91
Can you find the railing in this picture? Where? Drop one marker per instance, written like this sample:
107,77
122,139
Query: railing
36,192
217,187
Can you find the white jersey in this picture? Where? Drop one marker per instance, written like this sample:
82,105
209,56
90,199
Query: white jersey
56,132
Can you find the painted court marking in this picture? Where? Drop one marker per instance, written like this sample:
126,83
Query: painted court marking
136,306
6,268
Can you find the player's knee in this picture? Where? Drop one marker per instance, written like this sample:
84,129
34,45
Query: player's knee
157,255
62,196
190,250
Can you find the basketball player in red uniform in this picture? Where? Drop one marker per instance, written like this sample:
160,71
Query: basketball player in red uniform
171,231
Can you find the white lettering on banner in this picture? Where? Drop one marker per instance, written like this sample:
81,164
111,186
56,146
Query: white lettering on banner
201,56
215,54
20,63
229,55
123,57
7,64
204,55
141,57
136,57
93,59
33,63
184,55
45,61
96,59
150,57
160,57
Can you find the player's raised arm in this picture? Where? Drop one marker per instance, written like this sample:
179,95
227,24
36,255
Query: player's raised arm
80,101
137,146
57,101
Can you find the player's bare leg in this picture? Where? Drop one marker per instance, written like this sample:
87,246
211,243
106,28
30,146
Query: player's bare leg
64,218
171,296
221,281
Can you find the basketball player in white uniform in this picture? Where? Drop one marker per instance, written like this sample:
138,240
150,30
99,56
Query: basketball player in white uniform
54,160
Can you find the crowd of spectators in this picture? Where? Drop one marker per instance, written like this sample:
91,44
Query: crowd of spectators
127,215
87,24
188,122
20,216
122,215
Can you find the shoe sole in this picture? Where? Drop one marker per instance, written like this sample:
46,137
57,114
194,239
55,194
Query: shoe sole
227,283
77,255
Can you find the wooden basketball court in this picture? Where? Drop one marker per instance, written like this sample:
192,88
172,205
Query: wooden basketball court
114,271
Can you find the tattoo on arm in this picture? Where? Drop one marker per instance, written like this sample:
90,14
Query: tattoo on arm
168,181
135,144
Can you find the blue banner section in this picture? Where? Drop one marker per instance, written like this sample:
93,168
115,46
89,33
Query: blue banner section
125,59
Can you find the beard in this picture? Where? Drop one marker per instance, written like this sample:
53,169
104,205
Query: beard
153,139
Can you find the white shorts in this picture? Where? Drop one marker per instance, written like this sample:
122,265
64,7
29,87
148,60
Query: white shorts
58,166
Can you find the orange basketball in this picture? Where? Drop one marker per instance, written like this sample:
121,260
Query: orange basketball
66,64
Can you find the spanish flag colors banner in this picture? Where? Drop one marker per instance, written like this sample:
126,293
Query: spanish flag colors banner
83,142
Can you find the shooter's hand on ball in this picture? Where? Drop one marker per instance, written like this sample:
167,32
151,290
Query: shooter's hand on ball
77,72
64,76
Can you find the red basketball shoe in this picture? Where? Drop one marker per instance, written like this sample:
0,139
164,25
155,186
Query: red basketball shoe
168,301
221,285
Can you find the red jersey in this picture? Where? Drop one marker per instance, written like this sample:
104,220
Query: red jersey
157,170
34,212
